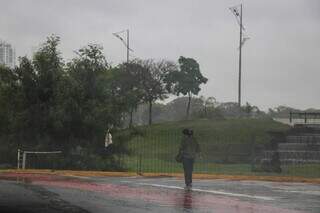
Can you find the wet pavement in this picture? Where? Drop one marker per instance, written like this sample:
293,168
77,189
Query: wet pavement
52,193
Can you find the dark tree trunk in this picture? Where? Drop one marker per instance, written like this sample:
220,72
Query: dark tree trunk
131,117
150,112
205,111
188,107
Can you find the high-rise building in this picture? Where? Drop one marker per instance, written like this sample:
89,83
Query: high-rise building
7,54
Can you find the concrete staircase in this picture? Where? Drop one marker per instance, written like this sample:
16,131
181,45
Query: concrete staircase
301,145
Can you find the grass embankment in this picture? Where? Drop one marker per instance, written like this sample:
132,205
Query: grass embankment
226,150
227,147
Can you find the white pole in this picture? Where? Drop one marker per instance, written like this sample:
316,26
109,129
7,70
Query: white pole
24,160
18,166
240,58
128,46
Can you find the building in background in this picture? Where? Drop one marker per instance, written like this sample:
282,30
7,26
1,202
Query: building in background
7,54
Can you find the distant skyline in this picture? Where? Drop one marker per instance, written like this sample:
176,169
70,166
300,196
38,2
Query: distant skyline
7,54
281,63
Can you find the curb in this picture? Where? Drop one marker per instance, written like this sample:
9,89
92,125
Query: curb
164,175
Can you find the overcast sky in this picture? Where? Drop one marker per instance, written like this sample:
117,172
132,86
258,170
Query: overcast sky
281,60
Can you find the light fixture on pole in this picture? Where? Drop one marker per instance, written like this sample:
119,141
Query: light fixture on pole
126,43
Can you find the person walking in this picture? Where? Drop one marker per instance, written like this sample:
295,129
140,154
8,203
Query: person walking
189,150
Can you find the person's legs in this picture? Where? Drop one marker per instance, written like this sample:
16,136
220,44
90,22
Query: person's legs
191,171
185,170
188,168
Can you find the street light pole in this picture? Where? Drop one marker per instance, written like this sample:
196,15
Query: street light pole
126,43
240,58
237,12
128,48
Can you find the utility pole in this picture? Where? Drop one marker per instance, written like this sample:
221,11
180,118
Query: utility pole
237,12
128,46
240,48
126,43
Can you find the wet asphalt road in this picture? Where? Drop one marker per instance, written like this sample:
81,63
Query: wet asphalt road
49,193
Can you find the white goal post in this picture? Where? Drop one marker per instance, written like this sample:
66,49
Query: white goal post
22,156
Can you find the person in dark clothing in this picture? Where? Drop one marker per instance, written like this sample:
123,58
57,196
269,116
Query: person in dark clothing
189,149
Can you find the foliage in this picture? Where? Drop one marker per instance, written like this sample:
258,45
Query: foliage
49,104
152,80
127,80
250,110
186,80
171,111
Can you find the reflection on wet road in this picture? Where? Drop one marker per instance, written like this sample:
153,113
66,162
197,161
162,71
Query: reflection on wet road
106,194
187,200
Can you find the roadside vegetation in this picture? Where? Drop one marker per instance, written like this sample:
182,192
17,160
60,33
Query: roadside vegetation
48,104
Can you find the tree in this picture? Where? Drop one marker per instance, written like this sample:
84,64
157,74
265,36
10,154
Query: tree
282,111
229,109
45,104
127,80
152,80
247,108
48,65
186,80
89,101
37,91
176,108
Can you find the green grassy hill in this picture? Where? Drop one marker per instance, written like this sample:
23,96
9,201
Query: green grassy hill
225,142
237,129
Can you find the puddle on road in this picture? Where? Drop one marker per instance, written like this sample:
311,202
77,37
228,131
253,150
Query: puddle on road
16,179
48,201
32,178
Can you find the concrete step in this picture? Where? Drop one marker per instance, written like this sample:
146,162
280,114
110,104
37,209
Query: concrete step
292,161
296,155
306,138
299,146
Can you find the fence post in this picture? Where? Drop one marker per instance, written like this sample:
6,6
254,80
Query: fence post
24,155
137,164
253,152
18,163
305,117
140,162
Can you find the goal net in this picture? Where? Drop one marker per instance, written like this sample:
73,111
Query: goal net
38,160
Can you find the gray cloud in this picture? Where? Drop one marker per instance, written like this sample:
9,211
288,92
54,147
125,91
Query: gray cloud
280,61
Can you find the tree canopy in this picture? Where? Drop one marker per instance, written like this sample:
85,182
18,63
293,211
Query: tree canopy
186,80
47,103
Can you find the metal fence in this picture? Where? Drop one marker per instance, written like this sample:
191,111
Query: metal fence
154,151
247,155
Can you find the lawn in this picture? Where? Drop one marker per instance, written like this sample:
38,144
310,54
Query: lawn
226,147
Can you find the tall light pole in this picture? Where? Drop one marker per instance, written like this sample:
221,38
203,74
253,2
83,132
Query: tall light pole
240,51
126,43
128,46
237,12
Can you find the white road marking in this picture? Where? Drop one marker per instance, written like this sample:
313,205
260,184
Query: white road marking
76,176
305,192
210,191
126,181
